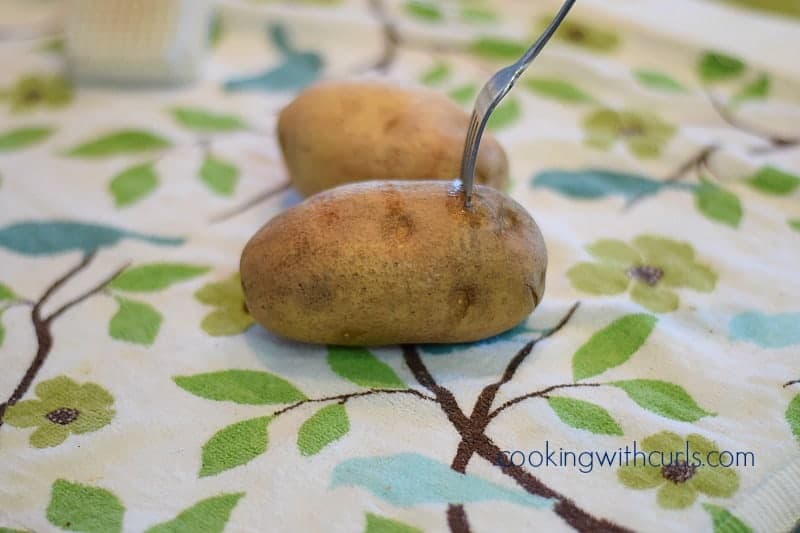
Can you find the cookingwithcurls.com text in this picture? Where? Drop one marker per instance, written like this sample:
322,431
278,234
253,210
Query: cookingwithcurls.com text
634,455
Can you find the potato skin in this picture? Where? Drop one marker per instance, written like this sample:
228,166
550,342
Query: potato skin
376,263
338,132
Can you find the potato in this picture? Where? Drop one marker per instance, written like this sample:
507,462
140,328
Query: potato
391,262
340,132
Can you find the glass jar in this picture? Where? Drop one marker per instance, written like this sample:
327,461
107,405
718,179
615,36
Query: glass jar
137,42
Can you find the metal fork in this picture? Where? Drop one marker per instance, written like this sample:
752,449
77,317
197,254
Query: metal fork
495,89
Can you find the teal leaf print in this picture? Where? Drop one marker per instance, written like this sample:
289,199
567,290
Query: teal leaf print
612,345
327,425
590,184
464,94
723,521
436,75
771,180
249,387
768,331
206,121
497,48
508,335
296,70
23,137
155,276
76,507
120,142
381,524
133,184
666,399
755,90
135,322
557,89
410,479
718,204
584,415
220,176
360,366
716,66
657,80
235,445
505,114
49,237
206,516
422,10
793,416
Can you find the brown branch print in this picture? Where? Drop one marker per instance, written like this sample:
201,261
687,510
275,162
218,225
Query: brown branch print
252,202
776,142
472,430
790,383
42,325
343,398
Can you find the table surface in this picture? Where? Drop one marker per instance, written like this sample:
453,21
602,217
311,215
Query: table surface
656,144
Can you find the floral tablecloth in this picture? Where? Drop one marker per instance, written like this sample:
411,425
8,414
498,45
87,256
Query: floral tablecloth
656,143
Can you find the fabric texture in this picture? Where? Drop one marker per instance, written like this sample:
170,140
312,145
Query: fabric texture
656,144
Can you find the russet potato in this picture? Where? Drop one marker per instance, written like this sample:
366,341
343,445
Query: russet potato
375,263
338,132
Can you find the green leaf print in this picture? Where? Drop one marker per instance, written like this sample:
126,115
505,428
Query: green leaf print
6,293
584,415
718,204
133,184
612,345
422,10
771,180
83,508
716,66
556,89
135,322
666,399
477,15
154,277
497,48
207,121
235,445
723,521
464,94
360,366
793,416
206,516
249,387
220,176
436,75
24,137
327,425
657,80
118,143
755,90
381,524
507,113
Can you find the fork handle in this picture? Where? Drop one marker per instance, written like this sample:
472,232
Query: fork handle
477,125
528,57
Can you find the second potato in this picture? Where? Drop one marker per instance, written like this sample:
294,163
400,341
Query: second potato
345,131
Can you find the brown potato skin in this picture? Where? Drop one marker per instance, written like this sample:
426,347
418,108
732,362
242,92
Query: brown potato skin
376,263
338,132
